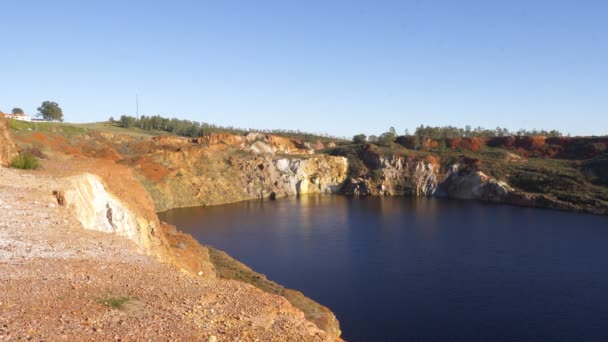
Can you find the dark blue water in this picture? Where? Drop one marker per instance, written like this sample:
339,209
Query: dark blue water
424,270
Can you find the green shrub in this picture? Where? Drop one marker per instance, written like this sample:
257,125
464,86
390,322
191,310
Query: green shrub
114,302
356,168
25,161
377,174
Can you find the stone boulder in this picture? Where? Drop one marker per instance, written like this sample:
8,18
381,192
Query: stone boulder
468,184
357,187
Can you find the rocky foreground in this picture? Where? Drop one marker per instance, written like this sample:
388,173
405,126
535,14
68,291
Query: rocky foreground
59,281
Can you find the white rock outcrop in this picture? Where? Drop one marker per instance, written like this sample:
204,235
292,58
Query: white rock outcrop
403,177
323,174
474,185
97,209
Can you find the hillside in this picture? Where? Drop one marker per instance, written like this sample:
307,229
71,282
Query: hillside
561,173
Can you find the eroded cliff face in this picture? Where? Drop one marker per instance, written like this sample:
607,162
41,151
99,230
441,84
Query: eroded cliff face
470,184
414,175
396,175
228,169
199,175
97,209
8,149
424,179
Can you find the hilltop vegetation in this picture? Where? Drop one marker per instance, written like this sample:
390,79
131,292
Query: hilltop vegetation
449,132
194,129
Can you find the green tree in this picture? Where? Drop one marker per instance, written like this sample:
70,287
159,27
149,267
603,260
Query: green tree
387,138
17,110
127,121
359,138
50,111
443,147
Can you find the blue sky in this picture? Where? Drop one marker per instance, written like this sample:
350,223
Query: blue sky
338,67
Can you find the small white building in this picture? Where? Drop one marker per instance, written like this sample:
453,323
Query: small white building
20,117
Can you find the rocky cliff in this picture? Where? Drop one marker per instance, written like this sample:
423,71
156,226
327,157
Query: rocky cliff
181,173
8,149
494,176
424,179
470,184
564,173
96,209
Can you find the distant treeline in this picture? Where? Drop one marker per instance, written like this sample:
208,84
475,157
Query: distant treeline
450,132
185,128
188,128
479,132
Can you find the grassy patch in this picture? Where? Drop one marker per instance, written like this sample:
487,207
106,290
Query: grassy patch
70,129
64,129
230,268
113,127
25,161
114,302
597,171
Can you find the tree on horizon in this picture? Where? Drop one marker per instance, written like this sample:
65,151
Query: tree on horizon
50,111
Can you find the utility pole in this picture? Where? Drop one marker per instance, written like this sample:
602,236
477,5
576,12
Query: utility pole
137,106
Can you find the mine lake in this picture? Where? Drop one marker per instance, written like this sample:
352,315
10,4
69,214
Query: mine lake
397,268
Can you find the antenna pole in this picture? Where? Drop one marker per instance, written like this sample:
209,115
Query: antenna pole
137,106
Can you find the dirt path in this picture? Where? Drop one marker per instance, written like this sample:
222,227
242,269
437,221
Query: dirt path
59,281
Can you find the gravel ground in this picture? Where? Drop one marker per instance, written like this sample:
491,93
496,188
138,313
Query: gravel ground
59,281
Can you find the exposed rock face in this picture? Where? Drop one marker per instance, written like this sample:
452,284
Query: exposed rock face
206,176
322,174
471,144
358,187
399,176
414,178
8,150
98,205
473,185
423,179
97,209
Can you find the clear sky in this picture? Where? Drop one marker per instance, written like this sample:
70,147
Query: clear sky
338,67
